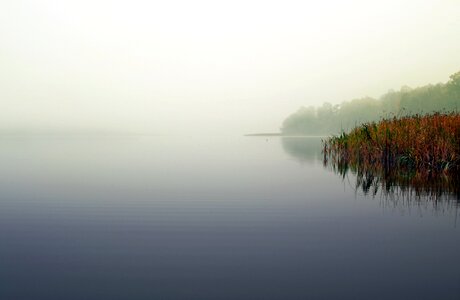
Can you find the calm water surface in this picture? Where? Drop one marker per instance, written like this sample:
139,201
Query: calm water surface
210,218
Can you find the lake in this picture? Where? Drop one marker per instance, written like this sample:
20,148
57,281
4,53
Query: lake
218,217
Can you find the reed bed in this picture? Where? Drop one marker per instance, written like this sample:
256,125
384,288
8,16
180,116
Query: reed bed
418,150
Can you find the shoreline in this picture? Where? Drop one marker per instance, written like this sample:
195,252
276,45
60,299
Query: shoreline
268,134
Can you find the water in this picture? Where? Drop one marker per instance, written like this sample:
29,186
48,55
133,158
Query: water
210,218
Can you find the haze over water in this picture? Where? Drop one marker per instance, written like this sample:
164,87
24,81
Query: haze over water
210,218
125,173
169,67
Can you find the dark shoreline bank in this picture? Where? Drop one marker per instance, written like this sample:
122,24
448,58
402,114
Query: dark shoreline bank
286,135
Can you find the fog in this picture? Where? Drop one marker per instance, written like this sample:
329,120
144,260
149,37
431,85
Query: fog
182,67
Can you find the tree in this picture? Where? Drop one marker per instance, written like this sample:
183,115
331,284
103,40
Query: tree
328,119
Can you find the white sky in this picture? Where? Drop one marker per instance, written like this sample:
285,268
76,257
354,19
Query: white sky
211,66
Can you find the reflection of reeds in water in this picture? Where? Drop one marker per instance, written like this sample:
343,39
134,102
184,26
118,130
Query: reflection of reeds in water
400,182
405,193
415,157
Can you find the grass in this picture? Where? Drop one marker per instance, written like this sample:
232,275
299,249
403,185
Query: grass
419,150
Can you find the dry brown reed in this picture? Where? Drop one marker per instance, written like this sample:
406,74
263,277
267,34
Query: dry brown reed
420,151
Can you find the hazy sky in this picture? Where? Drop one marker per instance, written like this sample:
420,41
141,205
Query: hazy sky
212,66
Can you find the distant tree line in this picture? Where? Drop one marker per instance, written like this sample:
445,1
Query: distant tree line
332,119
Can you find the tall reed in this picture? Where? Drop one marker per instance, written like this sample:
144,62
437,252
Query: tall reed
428,144
410,150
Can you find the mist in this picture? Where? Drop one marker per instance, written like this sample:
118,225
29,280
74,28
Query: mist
181,67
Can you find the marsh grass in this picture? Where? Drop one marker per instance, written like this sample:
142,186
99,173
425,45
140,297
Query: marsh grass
419,154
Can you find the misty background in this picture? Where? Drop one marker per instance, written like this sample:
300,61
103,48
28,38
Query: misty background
175,67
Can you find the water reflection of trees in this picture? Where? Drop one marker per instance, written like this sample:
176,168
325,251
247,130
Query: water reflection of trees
304,149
